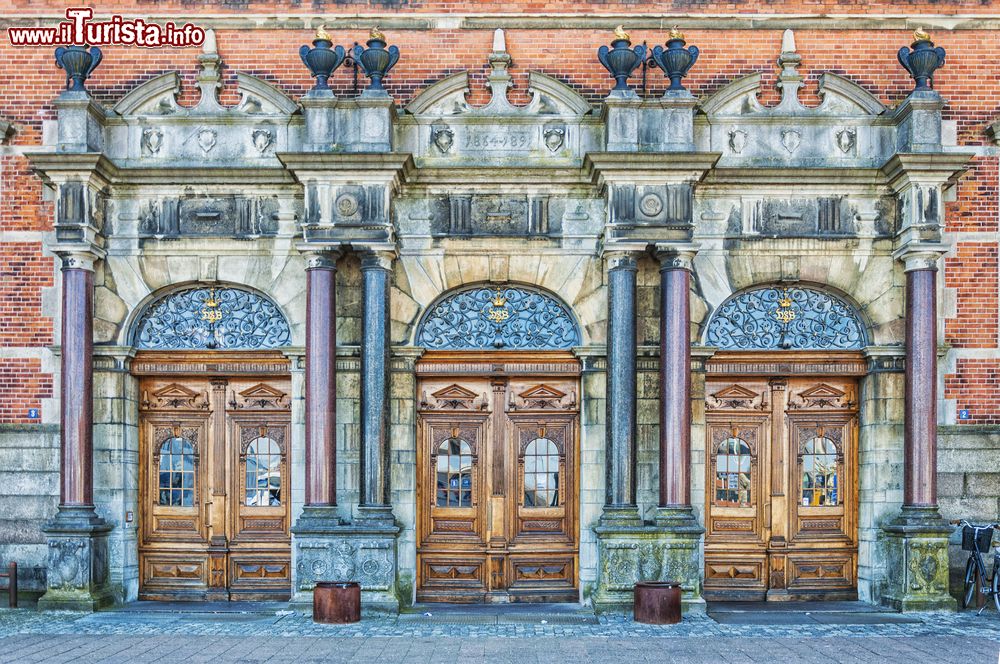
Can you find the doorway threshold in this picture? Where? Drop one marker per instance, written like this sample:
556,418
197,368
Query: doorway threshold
241,606
804,613
498,614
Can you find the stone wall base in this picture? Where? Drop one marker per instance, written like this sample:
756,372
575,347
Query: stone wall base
325,549
917,565
667,549
77,576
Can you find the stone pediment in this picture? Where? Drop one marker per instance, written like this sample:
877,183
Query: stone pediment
158,97
841,97
549,96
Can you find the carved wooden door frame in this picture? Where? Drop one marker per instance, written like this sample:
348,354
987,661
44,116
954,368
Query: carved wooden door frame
783,405
504,405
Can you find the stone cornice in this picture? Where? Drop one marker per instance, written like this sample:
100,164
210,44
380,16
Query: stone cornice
937,168
603,168
387,167
54,167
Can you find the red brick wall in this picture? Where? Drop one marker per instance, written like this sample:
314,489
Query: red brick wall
975,386
29,82
22,386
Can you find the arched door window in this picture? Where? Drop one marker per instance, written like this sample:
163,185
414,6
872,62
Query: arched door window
785,318
211,318
177,470
541,473
454,473
820,472
733,473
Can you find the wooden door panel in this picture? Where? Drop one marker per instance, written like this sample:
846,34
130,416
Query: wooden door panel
220,546
795,534
515,539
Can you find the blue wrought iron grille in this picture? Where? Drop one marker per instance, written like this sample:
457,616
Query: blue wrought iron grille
210,318
504,316
785,318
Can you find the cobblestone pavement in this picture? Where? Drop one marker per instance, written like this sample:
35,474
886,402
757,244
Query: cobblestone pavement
187,638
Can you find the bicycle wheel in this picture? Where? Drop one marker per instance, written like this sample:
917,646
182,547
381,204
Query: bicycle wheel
996,589
971,583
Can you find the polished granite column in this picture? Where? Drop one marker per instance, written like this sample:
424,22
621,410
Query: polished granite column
376,273
77,573
917,539
620,478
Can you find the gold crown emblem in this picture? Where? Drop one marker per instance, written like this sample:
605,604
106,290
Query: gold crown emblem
497,311
785,302
210,311
784,313
621,34
498,300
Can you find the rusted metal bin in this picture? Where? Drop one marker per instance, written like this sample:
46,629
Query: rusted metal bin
337,602
657,602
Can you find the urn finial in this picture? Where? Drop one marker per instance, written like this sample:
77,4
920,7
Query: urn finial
79,63
620,60
921,59
322,60
675,60
376,60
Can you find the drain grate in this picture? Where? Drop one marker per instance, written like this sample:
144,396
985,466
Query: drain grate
448,619
535,619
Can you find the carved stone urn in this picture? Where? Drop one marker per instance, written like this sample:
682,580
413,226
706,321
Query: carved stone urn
675,60
620,60
376,60
921,59
322,60
79,63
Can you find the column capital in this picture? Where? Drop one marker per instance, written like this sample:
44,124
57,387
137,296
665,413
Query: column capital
320,257
676,255
622,260
79,258
377,258
920,255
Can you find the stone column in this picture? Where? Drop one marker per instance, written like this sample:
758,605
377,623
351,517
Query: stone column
620,479
917,540
77,574
320,510
376,273
321,380
675,379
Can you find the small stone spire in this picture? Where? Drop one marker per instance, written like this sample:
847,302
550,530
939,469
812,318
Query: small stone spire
499,41
789,80
209,78
499,79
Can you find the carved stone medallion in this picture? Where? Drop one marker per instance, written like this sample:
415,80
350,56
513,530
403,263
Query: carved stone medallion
152,140
737,140
262,139
651,205
443,137
206,140
555,136
790,140
846,140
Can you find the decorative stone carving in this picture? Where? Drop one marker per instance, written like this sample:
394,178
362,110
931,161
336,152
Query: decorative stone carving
443,137
347,205
207,139
502,316
152,141
668,205
792,217
554,136
737,140
789,318
847,138
262,139
651,205
209,216
790,139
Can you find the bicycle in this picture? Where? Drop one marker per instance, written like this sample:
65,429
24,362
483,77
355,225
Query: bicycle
978,539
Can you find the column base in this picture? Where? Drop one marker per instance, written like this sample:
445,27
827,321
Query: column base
669,549
917,561
77,573
364,551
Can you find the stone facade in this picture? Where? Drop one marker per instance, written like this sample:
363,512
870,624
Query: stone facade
243,180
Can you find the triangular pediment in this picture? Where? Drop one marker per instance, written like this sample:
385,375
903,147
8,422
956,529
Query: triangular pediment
736,392
542,392
821,391
454,392
261,391
174,391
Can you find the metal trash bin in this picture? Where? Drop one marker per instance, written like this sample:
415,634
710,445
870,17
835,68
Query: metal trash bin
337,602
657,602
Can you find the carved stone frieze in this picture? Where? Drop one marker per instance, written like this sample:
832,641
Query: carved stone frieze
491,215
201,216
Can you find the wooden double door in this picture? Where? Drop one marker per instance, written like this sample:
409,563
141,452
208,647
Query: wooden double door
497,514
214,488
781,488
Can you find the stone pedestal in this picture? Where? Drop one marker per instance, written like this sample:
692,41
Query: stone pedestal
77,574
327,550
917,561
666,550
